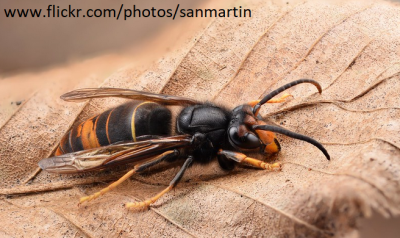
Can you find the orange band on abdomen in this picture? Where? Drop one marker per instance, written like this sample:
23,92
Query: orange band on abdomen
88,134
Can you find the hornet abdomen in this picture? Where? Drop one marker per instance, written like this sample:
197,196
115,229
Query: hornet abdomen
123,123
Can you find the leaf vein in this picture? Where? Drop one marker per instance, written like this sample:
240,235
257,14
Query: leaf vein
288,215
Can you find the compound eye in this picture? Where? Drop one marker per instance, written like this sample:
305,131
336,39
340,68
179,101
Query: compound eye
247,141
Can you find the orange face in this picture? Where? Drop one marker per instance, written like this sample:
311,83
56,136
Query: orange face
267,138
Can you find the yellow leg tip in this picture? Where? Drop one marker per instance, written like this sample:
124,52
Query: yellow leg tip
138,205
84,199
280,99
277,166
272,167
91,197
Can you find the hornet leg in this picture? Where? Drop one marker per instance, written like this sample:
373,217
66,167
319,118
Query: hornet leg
138,168
172,184
273,100
280,99
242,158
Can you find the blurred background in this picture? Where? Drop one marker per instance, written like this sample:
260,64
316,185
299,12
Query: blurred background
39,52
36,43
30,46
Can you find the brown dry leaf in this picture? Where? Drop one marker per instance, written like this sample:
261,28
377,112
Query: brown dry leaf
352,49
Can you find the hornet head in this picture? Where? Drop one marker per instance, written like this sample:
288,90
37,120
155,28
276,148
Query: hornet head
247,130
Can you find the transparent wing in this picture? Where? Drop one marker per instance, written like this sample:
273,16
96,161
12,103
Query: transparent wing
87,93
116,154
